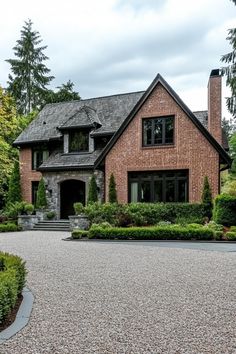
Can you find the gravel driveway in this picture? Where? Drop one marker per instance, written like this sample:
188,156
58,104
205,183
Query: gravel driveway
121,298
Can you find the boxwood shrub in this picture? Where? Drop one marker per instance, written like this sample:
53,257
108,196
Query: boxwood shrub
12,280
142,214
173,232
77,234
230,236
225,210
9,227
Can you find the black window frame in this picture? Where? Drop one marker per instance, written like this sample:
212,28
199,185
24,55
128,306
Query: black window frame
86,133
152,177
38,150
163,120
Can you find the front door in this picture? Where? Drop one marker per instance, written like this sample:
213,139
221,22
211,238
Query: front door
72,191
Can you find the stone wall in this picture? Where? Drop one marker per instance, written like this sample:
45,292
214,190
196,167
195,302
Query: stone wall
54,179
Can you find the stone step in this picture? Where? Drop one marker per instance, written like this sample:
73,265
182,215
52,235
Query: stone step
50,225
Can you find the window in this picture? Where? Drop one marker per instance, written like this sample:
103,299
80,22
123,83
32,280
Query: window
79,141
35,185
158,131
158,186
38,157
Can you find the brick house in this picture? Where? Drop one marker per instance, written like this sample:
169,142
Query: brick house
157,149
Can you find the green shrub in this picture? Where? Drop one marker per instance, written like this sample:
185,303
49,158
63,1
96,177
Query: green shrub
9,227
77,234
93,191
231,236
233,228
41,200
14,192
207,198
50,215
218,235
29,208
12,280
214,226
112,195
143,214
225,210
173,232
13,210
78,208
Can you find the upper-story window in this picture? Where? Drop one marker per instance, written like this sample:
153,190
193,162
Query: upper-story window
79,141
158,131
38,157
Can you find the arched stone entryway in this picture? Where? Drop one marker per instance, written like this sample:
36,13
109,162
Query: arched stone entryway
71,191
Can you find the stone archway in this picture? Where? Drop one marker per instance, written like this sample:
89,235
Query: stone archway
71,191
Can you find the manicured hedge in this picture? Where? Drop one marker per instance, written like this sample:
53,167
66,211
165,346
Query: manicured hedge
9,227
142,214
225,210
77,234
12,280
174,232
231,236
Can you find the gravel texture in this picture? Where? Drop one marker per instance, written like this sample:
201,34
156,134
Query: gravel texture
120,298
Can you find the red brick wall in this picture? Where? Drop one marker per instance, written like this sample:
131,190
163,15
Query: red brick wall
214,107
191,150
27,174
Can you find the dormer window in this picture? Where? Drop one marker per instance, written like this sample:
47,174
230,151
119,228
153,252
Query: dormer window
79,141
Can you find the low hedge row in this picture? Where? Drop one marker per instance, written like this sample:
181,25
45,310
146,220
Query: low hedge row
143,214
77,234
12,280
9,227
174,232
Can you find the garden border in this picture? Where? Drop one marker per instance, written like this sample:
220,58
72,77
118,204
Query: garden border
22,317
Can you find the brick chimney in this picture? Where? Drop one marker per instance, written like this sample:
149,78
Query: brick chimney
214,105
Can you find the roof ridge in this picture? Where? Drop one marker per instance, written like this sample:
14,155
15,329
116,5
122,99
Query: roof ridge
93,98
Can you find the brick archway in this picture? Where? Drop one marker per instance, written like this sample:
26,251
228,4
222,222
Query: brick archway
71,191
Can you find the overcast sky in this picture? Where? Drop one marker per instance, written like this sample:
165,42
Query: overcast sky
114,46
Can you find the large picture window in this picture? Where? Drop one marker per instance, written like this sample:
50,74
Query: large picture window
158,131
79,141
158,186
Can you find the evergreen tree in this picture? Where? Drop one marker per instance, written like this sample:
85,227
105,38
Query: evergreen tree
65,93
93,192
41,200
14,192
112,190
207,198
29,79
230,70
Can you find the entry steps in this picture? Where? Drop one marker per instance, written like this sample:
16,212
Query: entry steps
57,225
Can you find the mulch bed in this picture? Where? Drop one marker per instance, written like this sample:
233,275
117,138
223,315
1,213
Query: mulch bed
12,315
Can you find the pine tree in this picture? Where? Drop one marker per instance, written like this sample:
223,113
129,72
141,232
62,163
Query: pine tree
230,70
112,190
29,79
41,200
93,192
207,198
65,93
14,192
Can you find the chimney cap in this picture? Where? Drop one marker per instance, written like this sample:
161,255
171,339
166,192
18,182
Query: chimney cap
215,72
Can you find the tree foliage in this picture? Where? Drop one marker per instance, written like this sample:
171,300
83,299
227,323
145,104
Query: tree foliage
230,70
28,78
112,190
93,191
14,192
229,127
207,197
65,93
41,200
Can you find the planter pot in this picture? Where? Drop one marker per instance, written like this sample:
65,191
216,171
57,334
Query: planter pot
27,222
79,222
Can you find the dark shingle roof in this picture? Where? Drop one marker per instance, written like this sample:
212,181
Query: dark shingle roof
70,161
111,111
84,117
